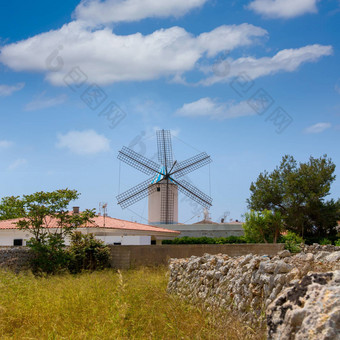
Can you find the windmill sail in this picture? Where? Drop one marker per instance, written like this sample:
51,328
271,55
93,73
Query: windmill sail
194,193
164,147
135,194
183,168
138,161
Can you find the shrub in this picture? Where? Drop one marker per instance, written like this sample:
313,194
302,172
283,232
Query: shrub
337,242
52,257
292,242
325,241
87,253
49,254
263,227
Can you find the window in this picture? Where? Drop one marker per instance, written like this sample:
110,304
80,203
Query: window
158,189
153,241
17,242
117,244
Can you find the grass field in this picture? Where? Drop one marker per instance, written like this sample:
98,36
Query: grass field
107,305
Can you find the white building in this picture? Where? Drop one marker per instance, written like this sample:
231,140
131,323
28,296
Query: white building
108,229
208,228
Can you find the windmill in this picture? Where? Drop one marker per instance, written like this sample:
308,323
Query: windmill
162,188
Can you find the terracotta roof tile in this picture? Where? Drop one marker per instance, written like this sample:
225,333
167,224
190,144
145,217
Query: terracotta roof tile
98,222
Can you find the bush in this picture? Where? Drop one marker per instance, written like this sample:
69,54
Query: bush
87,253
206,240
325,241
49,254
337,242
292,242
52,257
263,227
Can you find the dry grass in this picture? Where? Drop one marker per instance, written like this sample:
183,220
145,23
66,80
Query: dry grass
107,305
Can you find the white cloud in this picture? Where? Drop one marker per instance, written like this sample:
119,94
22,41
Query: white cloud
7,90
213,109
318,128
17,163
286,60
5,144
43,102
107,58
86,142
283,8
104,12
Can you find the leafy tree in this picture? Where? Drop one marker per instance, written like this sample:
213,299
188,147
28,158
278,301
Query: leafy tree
46,217
265,226
43,210
298,192
11,207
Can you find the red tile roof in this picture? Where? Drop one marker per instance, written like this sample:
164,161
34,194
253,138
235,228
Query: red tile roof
98,222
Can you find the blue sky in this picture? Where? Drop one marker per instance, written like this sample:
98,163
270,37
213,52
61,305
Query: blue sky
245,81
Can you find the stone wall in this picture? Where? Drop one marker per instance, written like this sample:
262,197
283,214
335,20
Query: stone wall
248,284
316,248
125,257
15,258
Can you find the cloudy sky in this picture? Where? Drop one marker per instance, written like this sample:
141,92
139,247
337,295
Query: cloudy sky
246,81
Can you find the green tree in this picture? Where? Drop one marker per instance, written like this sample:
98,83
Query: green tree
265,226
46,217
43,210
298,192
11,207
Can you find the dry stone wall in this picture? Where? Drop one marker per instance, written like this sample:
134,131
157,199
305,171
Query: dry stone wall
307,310
251,284
316,248
15,258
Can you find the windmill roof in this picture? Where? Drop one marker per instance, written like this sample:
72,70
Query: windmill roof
205,222
159,177
98,222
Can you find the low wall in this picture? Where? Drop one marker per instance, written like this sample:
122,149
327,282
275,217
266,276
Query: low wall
278,290
125,257
15,258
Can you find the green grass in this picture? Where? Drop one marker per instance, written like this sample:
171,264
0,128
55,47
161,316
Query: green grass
107,305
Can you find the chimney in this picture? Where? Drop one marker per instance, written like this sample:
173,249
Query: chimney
75,210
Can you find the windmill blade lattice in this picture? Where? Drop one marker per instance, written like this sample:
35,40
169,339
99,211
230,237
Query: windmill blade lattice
136,193
138,161
183,168
194,193
164,147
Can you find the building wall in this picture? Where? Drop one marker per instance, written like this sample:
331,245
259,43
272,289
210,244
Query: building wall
8,236
126,240
208,230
